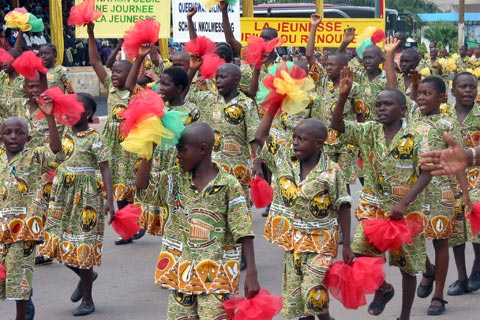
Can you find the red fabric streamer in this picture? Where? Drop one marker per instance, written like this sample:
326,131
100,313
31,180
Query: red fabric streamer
349,283
415,223
378,36
67,110
145,104
83,13
474,218
261,192
5,57
387,234
125,222
257,47
28,64
273,101
211,62
263,306
144,31
200,46
3,272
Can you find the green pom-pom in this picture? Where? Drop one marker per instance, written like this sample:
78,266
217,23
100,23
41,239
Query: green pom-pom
174,121
364,45
36,23
231,2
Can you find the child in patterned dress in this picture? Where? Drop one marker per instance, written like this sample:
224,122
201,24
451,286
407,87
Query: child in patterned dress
76,214
21,223
57,76
119,94
205,225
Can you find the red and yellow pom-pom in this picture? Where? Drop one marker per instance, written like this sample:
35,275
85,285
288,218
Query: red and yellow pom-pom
144,31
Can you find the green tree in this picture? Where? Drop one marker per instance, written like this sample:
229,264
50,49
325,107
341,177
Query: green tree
443,34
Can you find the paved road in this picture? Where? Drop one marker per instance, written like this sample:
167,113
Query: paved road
125,290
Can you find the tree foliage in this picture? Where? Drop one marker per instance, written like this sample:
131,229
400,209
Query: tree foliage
443,34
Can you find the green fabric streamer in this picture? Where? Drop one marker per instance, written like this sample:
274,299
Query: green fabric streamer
174,121
36,23
364,45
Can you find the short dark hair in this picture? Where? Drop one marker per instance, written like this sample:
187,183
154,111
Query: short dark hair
400,97
464,73
178,75
88,103
224,50
437,83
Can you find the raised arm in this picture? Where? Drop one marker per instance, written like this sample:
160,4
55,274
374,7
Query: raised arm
315,20
95,60
142,177
191,26
263,130
18,41
346,81
227,29
131,82
391,44
113,57
45,104
348,36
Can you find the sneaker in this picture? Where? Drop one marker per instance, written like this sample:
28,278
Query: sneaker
42,261
457,288
380,300
473,283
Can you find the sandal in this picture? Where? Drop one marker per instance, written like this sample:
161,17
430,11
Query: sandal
437,310
380,300
423,290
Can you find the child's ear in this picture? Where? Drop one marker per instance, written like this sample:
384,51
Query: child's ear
403,110
443,97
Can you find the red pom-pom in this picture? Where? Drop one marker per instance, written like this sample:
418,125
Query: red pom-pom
415,223
3,272
211,62
200,46
349,283
83,13
263,306
66,107
5,57
386,234
257,47
261,192
474,218
144,31
273,101
28,64
125,222
145,104
378,36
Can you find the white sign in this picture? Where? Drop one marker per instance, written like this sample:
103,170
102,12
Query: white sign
207,22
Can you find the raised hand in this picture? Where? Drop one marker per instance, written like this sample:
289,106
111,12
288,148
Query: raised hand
46,104
315,19
346,81
191,12
195,62
90,28
144,49
414,77
349,35
451,160
391,44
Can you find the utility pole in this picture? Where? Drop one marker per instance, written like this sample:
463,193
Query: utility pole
461,23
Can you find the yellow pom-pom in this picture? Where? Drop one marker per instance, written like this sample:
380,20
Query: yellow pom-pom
209,4
425,72
366,34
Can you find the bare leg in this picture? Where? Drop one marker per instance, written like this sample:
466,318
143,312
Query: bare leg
441,268
459,254
476,250
409,284
430,271
86,275
22,306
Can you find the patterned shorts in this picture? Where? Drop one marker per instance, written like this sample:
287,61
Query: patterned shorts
410,258
18,259
303,289
196,307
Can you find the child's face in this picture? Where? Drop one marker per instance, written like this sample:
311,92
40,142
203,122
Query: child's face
119,74
178,61
465,90
442,53
408,62
371,60
388,108
429,99
168,90
47,56
187,155
333,67
226,82
304,143
14,135
31,88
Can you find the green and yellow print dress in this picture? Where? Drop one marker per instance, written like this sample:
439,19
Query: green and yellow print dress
59,76
123,162
75,218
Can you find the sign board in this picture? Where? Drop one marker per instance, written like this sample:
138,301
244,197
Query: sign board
120,15
207,22
295,31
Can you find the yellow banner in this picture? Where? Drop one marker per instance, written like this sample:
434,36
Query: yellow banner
120,15
295,31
